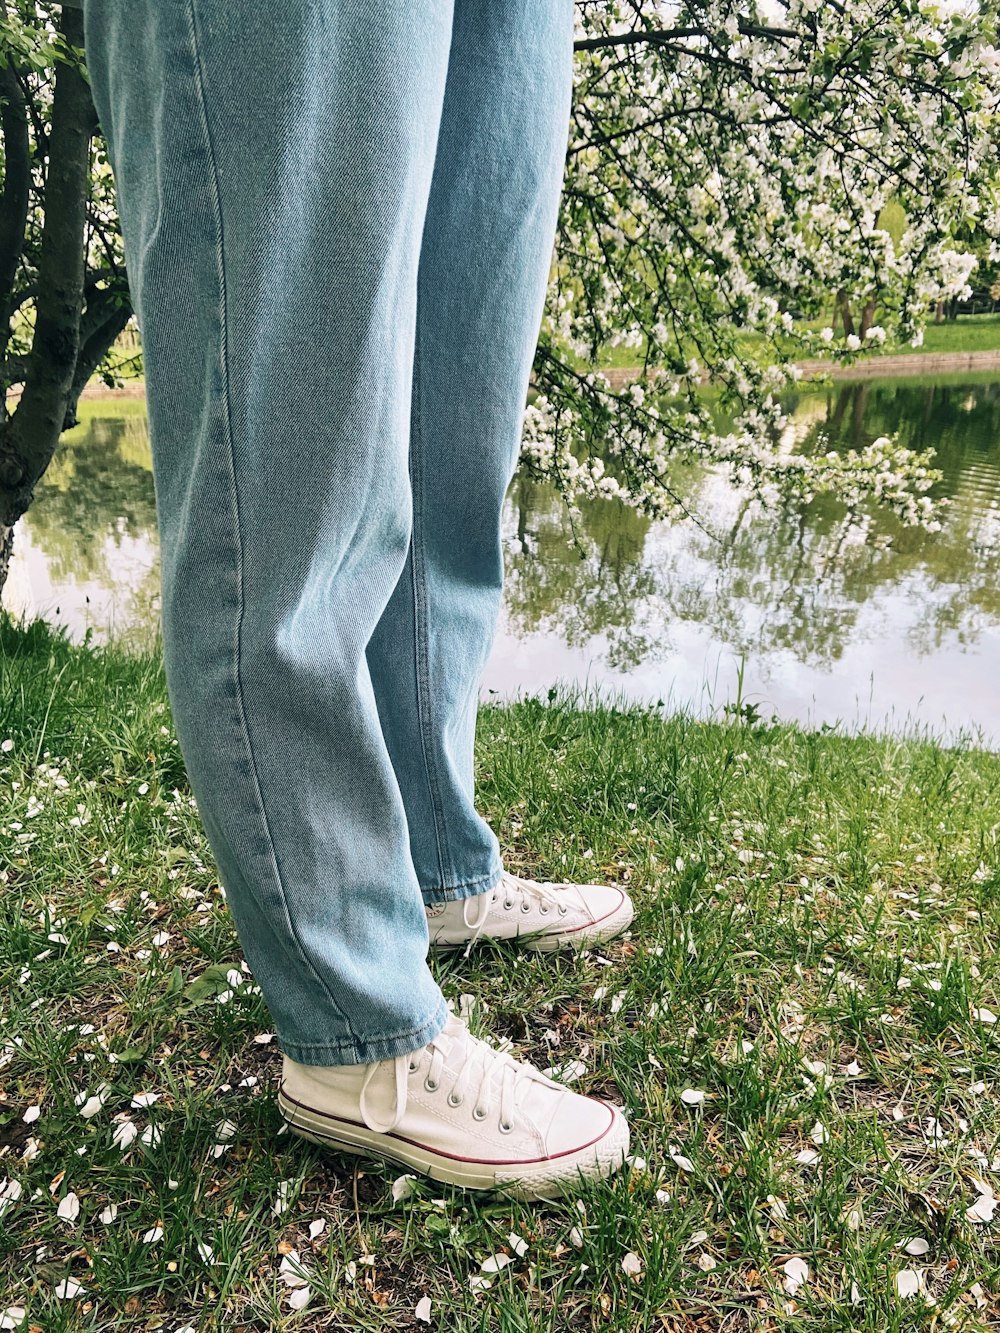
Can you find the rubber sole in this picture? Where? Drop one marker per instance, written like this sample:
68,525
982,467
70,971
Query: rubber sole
584,937
546,1179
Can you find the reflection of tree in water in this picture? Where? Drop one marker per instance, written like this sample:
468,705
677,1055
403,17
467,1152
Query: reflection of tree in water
764,580
759,581
98,494
552,587
98,489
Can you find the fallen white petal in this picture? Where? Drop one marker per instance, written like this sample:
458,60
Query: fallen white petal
576,1238
692,1096
142,1099
69,1208
423,1310
567,1073
206,1252
299,1298
984,1015
982,1210
518,1244
10,1193
315,1228
67,1289
631,1264
807,1156
107,1215
294,1272
402,1188
31,1114
479,1283
495,1262
908,1282
916,1246
151,1236
680,1160
796,1272
13,1316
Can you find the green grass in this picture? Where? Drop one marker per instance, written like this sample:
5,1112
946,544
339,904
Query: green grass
969,333
801,898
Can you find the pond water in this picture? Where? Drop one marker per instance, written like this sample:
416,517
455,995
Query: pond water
796,614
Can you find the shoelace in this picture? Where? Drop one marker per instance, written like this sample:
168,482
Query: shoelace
514,886
493,1067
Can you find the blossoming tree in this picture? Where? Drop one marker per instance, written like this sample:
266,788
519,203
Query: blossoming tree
735,169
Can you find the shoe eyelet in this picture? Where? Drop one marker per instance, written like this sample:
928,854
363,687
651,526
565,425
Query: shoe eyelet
544,911
526,907
505,1128
563,909
431,1086
453,1100
478,1113
507,905
412,1067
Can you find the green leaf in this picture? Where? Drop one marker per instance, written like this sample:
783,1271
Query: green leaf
208,985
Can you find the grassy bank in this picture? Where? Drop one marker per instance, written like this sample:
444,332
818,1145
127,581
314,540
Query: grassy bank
968,333
799,1024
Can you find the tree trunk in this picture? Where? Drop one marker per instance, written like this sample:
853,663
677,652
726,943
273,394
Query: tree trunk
107,312
844,307
867,318
13,200
29,437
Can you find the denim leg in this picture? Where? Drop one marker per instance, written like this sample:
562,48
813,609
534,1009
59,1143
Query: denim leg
273,166
484,266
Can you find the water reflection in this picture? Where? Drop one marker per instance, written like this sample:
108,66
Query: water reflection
837,621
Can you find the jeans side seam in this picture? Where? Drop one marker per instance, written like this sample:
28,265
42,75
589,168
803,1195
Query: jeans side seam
420,652
231,459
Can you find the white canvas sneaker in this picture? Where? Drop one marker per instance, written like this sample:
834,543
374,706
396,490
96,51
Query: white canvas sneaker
460,1111
540,916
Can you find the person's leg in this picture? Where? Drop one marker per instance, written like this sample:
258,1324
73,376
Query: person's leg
273,165
484,266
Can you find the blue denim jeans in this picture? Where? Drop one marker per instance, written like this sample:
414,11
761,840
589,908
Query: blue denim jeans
338,221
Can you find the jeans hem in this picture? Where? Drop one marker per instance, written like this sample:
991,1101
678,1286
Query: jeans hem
470,888
365,1050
